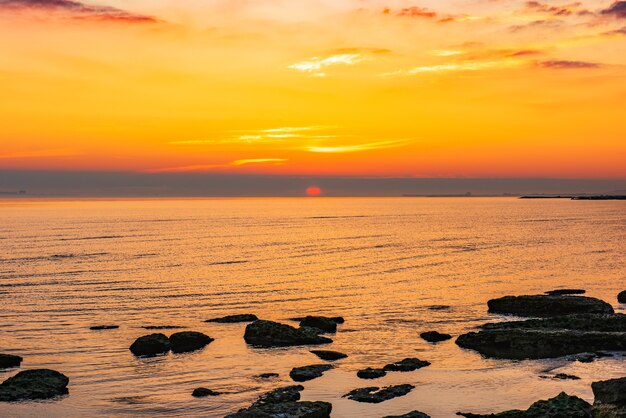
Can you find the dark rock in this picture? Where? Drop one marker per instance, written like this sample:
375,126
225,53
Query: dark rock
378,395
286,410
610,391
302,374
581,322
621,297
566,292
561,406
280,395
203,392
150,345
185,341
561,376
103,327
584,357
268,375
608,411
435,337
548,305
10,360
439,307
329,355
535,344
234,319
406,365
337,319
371,373
320,322
412,414
33,384
273,334
159,327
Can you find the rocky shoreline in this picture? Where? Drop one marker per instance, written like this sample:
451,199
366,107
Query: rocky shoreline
559,323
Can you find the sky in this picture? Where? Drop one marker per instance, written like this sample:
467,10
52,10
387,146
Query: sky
341,88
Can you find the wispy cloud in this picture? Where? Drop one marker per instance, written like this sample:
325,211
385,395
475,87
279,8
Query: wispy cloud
209,167
356,147
457,66
617,9
565,65
77,10
315,65
263,135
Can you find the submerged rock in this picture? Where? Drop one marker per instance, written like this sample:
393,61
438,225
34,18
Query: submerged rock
286,410
439,307
34,384
273,334
203,392
621,297
267,375
371,373
157,327
548,305
412,414
434,336
10,360
280,395
320,322
580,322
561,376
406,365
305,373
378,395
150,345
540,343
234,319
329,355
182,342
566,292
103,327
561,406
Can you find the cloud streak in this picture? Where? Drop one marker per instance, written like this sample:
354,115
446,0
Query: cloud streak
209,167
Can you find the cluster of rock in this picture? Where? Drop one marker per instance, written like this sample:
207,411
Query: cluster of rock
406,365
261,333
180,342
375,394
284,402
568,325
34,385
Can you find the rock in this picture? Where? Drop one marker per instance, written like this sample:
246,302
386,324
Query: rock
337,319
371,373
564,376
280,395
439,307
33,384
621,297
286,410
203,392
268,375
103,327
585,357
435,337
412,414
548,305
302,374
320,322
234,319
581,322
329,355
566,292
10,360
406,365
273,334
186,341
150,345
608,411
540,343
561,406
610,391
378,395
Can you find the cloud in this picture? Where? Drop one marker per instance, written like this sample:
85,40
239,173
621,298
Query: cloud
77,10
617,9
420,13
263,135
562,10
356,147
458,66
538,24
564,65
315,65
209,167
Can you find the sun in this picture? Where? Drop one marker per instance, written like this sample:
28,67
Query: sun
313,191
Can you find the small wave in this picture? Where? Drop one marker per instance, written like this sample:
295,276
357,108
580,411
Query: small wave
219,263
94,238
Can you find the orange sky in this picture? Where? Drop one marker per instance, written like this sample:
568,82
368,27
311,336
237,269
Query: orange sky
424,88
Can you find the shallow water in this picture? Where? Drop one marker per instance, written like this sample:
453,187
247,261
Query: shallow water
380,263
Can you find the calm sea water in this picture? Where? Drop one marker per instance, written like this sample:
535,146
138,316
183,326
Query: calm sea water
380,263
